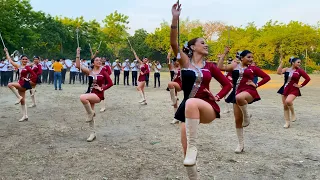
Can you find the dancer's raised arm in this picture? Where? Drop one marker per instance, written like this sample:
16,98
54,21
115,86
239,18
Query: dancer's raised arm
136,56
228,67
78,63
184,59
9,59
280,69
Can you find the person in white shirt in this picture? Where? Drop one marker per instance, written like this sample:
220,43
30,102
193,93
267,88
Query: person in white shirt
157,67
4,73
116,66
126,70
134,68
82,76
107,62
51,71
73,72
64,70
1,74
10,72
148,73
45,70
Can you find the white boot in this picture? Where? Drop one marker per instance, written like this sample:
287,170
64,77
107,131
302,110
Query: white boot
90,112
173,97
174,121
24,113
191,130
246,116
240,147
32,98
192,172
103,106
286,117
15,92
142,97
144,102
293,114
92,134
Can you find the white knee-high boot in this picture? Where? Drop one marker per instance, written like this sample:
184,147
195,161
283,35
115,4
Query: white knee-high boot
32,91
240,146
142,97
246,117
192,136
192,172
173,96
24,113
144,102
293,114
15,92
93,133
90,112
103,106
286,116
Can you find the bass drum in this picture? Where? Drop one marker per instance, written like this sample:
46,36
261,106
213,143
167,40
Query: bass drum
68,62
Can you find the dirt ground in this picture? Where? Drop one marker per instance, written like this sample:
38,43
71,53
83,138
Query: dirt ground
138,142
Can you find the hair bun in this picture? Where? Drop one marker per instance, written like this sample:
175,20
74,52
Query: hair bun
291,59
238,54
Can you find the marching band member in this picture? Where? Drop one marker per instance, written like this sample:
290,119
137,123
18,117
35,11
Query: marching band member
142,77
51,71
108,63
199,104
27,80
107,66
126,70
148,72
45,70
175,86
116,66
244,90
73,72
157,67
17,70
82,76
100,81
3,70
10,73
64,70
291,88
36,68
134,68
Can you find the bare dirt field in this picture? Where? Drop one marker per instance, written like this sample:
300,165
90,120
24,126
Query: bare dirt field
138,142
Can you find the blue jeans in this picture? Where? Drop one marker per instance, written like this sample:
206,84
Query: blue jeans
57,77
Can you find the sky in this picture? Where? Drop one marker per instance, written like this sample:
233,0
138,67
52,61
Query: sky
148,14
